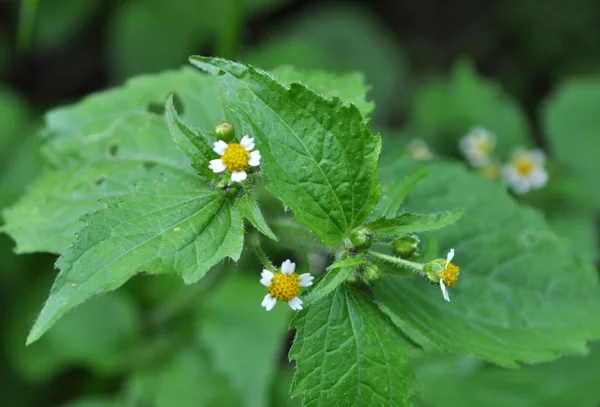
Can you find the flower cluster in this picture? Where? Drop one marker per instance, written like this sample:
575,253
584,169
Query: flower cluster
524,171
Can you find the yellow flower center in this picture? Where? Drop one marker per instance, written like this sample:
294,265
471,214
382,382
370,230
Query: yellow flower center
283,287
523,165
484,146
235,158
450,275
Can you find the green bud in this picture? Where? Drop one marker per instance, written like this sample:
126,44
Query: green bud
371,274
361,238
433,269
406,246
352,279
224,131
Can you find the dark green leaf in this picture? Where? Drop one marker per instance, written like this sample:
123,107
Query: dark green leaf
318,154
348,354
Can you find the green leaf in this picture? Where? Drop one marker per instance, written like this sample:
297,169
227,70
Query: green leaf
101,147
337,273
318,154
177,226
520,290
233,312
350,88
452,381
94,402
390,203
250,209
571,122
453,106
47,217
195,144
413,223
26,23
348,353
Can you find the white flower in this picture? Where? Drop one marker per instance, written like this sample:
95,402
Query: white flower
525,171
235,158
477,146
449,258
284,285
419,150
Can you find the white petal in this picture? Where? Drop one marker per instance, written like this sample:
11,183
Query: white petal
444,290
254,158
268,302
287,267
510,175
520,186
220,147
538,156
295,304
449,257
306,280
238,176
538,177
217,165
247,142
266,277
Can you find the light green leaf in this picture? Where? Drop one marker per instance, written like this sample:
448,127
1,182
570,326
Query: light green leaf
452,381
347,262
520,290
177,226
348,353
572,124
234,312
47,217
453,106
350,88
94,402
389,204
250,209
318,154
413,223
101,146
194,143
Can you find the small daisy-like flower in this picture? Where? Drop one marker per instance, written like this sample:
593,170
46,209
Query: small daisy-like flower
449,275
477,146
419,150
284,285
443,273
235,158
525,171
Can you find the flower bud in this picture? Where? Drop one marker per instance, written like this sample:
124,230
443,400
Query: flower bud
361,238
352,279
406,246
371,273
224,131
434,269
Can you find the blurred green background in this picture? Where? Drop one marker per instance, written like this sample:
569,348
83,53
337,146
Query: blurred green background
435,67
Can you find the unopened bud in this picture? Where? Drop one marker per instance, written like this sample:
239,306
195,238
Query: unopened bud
371,273
361,238
406,246
352,279
224,131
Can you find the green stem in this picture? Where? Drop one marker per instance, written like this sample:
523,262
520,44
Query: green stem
396,261
255,243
